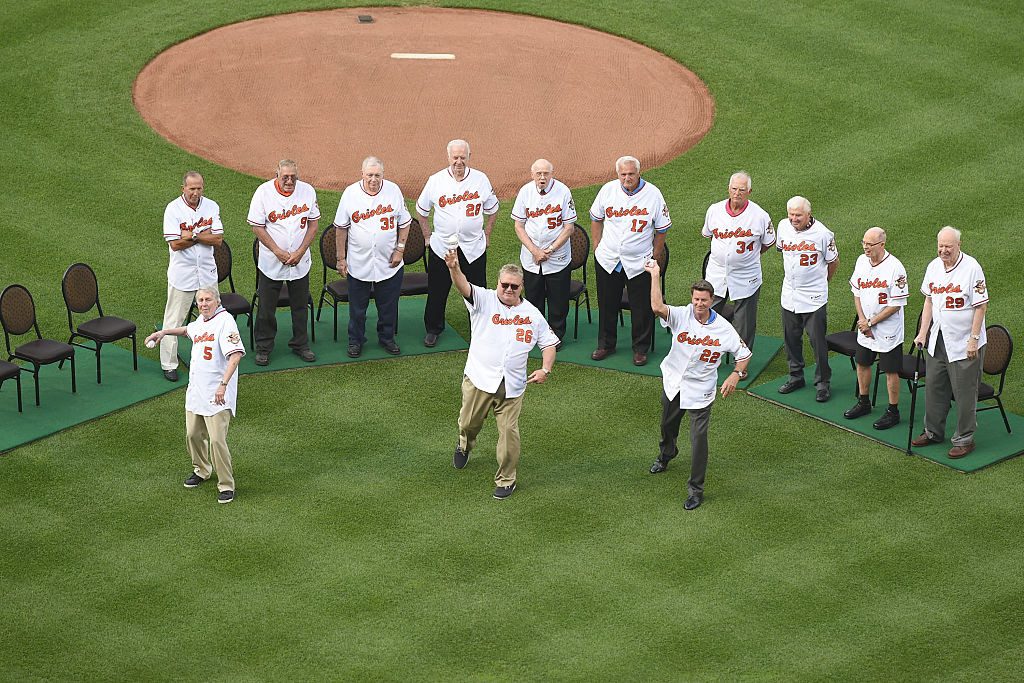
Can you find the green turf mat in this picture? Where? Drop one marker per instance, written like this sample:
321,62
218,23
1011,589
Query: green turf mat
329,352
578,351
61,409
993,442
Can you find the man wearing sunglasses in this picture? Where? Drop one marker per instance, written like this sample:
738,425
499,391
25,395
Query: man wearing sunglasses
504,328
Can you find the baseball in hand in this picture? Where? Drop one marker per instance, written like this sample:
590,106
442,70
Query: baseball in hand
453,242
151,344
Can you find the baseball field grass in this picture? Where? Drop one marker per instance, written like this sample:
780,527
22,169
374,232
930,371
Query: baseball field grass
354,550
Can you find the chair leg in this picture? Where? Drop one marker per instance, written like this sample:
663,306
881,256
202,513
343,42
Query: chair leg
135,355
312,323
913,406
36,375
74,386
576,323
17,379
335,321
99,345
874,394
587,297
1005,421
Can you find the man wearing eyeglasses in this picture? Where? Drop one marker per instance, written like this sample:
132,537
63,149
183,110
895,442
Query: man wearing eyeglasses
879,285
504,328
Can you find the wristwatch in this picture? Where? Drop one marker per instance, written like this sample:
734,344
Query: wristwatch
976,337
741,374
546,371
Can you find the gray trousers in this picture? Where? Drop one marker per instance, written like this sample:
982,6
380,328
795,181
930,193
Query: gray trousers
744,318
793,326
957,380
700,418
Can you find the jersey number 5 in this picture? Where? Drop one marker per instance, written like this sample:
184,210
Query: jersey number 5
207,353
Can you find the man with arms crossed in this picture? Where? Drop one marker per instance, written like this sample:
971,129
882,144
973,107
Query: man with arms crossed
953,328
544,214
465,207
504,328
879,285
284,216
810,259
628,221
700,337
740,231
372,224
192,228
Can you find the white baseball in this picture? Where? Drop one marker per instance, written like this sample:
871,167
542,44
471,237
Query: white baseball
453,241
151,344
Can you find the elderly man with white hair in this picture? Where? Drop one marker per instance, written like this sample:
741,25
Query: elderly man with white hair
740,231
212,389
544,214
809,259
953,328
372,225
628,222
465,208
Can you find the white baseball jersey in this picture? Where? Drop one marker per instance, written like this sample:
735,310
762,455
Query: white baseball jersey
630,221
736,241
955,293
191,268
690,370
372,222
459,209
285,217
213,341
878,287
544,215
501,339
805,258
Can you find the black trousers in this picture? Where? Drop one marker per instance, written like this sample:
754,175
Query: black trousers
609,294
538,287
266,321
439,284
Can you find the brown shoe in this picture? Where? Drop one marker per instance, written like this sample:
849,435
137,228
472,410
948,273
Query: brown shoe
639,358
961,451
923,440
601,354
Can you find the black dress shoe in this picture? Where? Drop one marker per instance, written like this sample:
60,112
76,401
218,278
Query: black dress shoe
890,418
391,347
354,350
305,354
171,375
262,358
791,386
692,503
858,410
823,395
430,341
659,466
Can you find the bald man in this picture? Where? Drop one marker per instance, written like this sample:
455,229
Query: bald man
544,214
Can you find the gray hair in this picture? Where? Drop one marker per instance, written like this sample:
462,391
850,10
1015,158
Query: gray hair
740,174
953,230
625,160
209,289
533,166
880,234
800,202
511,269
457,143
373,161
190,174
287,162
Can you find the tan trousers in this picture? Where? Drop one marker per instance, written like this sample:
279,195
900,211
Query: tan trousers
475,406
206,434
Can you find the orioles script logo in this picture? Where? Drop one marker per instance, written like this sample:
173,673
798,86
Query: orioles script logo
631,211
456,198
516,320
706,340
274,216
799,246
201,223
728,234
204,337
877,282
557,208
363,215
945,289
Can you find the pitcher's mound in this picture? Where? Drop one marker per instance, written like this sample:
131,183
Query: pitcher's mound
328,90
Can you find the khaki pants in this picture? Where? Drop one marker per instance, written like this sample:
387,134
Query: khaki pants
206,435
475,406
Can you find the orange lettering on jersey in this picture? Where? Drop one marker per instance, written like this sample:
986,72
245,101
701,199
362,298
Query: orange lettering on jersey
631,211
362,215
456,198
274,216
798,246
944,289
201,223
729,234
706,340
205,337
515,320
549,209
867,284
